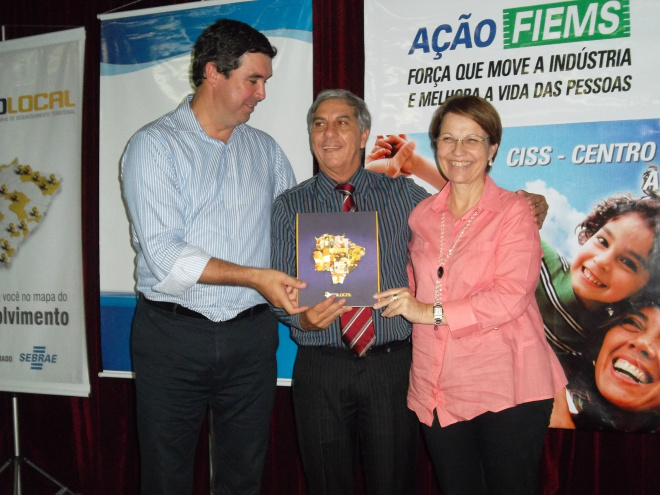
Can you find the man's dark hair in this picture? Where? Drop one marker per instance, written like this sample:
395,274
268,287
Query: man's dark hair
224,43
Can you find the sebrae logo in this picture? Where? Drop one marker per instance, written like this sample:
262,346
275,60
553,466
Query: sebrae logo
38,357
566,22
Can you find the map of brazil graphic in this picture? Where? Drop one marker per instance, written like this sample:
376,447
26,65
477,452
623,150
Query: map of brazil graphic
25,196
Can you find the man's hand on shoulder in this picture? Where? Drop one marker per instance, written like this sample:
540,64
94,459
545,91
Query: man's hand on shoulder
538,205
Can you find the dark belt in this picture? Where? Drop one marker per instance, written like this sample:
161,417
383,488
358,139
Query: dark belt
389,347
372,351
182,310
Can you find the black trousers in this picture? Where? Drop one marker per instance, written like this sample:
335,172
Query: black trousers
494,453
349,408
185,366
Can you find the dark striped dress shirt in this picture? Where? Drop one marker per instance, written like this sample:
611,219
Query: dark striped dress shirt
393,199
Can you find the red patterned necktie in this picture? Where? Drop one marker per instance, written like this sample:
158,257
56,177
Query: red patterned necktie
357,327
347,189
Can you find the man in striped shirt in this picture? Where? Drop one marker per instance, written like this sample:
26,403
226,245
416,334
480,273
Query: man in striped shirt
199,184
341,400
347,405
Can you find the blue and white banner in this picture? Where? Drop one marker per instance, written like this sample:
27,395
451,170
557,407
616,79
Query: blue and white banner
42,318
575,83
145,61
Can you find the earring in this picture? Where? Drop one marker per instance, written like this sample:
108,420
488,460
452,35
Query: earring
490,163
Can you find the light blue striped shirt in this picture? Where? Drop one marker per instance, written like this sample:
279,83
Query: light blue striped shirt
191,197
393,199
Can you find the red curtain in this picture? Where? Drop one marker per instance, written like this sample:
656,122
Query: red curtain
90,445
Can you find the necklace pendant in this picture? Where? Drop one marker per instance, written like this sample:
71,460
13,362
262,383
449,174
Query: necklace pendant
441,271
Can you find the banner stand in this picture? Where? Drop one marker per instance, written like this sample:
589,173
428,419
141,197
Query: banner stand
16,460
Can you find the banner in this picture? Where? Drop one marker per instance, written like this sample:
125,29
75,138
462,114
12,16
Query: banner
42,318
575,85
145,60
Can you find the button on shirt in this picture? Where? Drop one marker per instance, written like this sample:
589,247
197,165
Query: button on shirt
493,355
191,197
393,199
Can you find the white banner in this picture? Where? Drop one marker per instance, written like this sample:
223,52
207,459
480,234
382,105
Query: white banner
42,319
145,74
575,83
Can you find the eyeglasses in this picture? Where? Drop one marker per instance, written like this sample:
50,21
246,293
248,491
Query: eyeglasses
469,142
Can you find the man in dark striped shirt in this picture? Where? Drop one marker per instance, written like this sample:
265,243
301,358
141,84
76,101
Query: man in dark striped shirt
342,400
345,404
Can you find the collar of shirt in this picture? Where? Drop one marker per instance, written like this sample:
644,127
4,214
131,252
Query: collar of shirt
490,198
185,118
187,122
360,180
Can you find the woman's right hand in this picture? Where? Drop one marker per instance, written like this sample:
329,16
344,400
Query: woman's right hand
401,302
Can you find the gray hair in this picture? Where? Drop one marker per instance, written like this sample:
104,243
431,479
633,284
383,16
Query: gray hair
362,115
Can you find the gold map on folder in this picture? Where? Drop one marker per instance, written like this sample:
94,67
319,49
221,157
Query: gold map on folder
338,255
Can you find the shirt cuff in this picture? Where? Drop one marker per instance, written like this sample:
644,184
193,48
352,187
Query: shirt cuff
460,317
186,271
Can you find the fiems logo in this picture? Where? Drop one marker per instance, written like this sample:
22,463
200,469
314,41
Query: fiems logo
38,357
566,22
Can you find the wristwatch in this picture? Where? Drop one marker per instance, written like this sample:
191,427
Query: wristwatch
437,313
